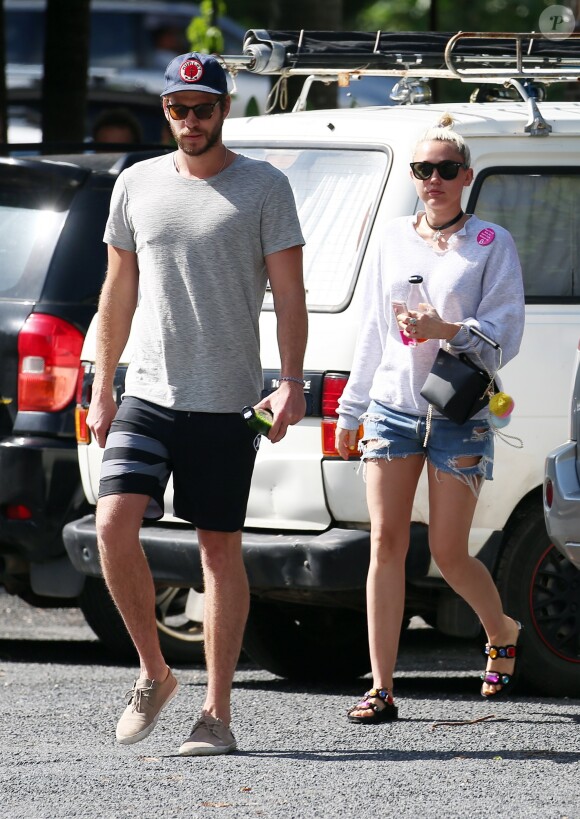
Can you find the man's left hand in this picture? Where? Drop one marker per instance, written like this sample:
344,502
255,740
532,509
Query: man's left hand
288,405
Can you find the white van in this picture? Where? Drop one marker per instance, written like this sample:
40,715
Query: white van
306,542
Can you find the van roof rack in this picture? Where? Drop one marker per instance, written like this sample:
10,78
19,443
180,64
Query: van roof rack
466,55
474,57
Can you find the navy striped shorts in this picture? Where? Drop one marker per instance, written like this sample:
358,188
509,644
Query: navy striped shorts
210,455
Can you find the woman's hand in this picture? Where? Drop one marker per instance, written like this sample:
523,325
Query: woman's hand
345,442
426,323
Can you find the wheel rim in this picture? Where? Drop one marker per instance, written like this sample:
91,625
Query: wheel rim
171,617
555,604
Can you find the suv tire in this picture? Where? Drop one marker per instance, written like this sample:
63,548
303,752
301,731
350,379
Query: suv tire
181,639
302,642
541,588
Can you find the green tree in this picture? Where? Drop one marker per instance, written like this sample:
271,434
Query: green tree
405,15
304,14
416,15
203,32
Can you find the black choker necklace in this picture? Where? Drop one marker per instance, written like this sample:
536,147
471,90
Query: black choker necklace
438,228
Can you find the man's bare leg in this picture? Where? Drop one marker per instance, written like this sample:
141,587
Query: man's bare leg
226,606
129,580
128,576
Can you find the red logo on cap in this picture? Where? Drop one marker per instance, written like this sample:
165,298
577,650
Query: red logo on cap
191,70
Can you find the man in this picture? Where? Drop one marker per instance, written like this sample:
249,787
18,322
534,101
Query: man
193,236
117,125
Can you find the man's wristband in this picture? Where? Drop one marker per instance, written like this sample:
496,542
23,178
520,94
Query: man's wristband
300,381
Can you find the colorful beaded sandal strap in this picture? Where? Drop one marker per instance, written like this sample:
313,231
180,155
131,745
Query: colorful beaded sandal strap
498,677
378,693
500,652
495,678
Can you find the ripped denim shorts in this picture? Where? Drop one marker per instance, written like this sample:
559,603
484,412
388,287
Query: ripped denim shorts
398,435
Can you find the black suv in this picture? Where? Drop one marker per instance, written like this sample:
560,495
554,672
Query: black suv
52,263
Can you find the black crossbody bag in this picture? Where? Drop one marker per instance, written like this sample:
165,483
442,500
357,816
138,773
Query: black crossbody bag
457,387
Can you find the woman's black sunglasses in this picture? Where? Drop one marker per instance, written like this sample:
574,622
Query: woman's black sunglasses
446,169
202,111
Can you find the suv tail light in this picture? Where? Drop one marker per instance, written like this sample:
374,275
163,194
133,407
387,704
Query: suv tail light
81,410
49,351
549,493
17,511
332,388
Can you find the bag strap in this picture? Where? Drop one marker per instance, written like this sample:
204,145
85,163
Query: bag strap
428,421
510,440
474,331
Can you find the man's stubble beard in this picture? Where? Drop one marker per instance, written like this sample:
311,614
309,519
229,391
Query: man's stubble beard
212,140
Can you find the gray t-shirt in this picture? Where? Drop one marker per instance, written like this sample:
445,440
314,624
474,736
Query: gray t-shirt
200,247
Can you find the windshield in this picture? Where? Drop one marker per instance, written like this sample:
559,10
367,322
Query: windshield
337,194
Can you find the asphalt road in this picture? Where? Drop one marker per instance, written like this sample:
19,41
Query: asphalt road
61,694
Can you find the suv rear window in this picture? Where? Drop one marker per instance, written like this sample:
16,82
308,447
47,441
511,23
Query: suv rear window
31,219
337,193
540,208
25,234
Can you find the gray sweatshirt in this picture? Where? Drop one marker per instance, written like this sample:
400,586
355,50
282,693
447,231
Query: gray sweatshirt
477,281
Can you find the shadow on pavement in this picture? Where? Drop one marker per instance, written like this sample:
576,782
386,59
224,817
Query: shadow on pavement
67,652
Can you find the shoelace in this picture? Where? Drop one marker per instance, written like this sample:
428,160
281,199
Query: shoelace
135,696
211,726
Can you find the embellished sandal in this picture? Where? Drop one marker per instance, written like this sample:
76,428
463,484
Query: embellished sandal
507,681
386,711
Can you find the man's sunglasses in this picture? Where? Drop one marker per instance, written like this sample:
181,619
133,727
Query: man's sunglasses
446,169
202,111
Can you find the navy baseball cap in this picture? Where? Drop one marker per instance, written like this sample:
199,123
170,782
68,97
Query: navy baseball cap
195,72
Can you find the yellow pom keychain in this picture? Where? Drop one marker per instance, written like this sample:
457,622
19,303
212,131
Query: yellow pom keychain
501,406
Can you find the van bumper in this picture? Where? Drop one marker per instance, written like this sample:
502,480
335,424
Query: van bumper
332,561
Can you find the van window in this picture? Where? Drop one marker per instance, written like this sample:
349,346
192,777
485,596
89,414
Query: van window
337,193
541,211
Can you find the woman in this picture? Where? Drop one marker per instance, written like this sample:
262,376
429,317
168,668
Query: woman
471,277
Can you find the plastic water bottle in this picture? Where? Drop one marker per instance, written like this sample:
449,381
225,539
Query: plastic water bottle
415,297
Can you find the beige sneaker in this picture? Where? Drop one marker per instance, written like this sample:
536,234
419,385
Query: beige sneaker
146,700
208,736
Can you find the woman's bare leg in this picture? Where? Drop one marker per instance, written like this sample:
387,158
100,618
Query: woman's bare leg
452,505
391,488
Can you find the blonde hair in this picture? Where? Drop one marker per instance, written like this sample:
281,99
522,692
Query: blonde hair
443,132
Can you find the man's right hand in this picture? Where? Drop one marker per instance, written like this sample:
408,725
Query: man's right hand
102,410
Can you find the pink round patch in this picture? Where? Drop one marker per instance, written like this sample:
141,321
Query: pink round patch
485,236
